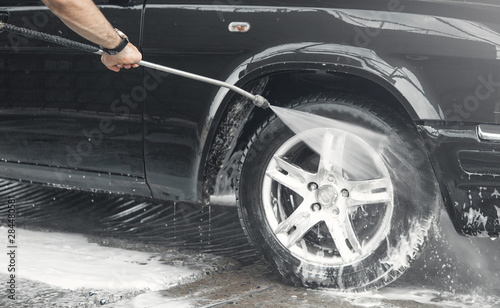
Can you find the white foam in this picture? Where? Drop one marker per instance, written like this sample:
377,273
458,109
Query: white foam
418,295
156,300
69,261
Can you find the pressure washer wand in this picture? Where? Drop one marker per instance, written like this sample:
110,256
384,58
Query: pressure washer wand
258,100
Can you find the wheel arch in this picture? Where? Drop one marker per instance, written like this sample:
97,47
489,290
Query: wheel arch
347,72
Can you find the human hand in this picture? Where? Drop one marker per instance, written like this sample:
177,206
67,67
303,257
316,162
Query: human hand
127,58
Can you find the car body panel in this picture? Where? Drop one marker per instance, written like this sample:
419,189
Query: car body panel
467,169
63,111
439,60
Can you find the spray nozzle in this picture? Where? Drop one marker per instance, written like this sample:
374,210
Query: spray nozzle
261,102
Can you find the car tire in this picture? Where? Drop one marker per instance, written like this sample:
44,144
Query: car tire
351,230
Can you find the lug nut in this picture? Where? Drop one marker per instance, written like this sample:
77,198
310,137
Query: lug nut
345,193
312,186
315,207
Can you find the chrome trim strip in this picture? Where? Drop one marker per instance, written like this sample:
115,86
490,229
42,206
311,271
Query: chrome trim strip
488,132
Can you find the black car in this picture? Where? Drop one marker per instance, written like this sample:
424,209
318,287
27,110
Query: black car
353,215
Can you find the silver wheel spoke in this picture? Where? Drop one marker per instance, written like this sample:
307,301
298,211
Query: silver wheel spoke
280,209
326,151
342,232
370,192
297,225
338,154
290,176
332,152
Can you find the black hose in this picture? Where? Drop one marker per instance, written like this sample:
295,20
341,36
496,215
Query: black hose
49,38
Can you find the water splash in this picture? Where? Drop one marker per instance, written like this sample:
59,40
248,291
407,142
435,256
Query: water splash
300,121
458,264
354,144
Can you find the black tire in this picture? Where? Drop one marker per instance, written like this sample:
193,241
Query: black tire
356,235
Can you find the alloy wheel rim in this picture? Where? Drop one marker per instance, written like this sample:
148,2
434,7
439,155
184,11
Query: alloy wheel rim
319,206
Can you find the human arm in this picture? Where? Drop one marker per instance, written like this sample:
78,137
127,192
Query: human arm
85,18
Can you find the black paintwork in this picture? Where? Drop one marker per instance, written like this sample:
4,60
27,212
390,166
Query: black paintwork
152,134
468,171
65,113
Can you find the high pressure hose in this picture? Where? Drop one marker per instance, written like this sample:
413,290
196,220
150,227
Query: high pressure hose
48,38
257,100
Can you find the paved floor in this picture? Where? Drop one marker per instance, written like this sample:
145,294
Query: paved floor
454,271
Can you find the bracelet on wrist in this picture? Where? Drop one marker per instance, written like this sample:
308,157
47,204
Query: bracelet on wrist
120,46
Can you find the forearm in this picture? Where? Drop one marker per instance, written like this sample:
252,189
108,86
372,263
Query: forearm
83,17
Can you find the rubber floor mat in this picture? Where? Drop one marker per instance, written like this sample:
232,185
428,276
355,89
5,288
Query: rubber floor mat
213,229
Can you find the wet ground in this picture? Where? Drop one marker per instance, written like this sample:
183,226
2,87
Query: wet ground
79,250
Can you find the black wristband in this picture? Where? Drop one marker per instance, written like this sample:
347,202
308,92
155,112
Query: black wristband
120,46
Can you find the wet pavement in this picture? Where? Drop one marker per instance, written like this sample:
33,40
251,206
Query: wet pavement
179,255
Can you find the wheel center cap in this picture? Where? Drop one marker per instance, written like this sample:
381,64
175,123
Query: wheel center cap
327,195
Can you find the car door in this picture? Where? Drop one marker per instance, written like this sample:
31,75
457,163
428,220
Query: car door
195,37
217,39
64,118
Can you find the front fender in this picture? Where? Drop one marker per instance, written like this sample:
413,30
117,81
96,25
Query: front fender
221,162
362,62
